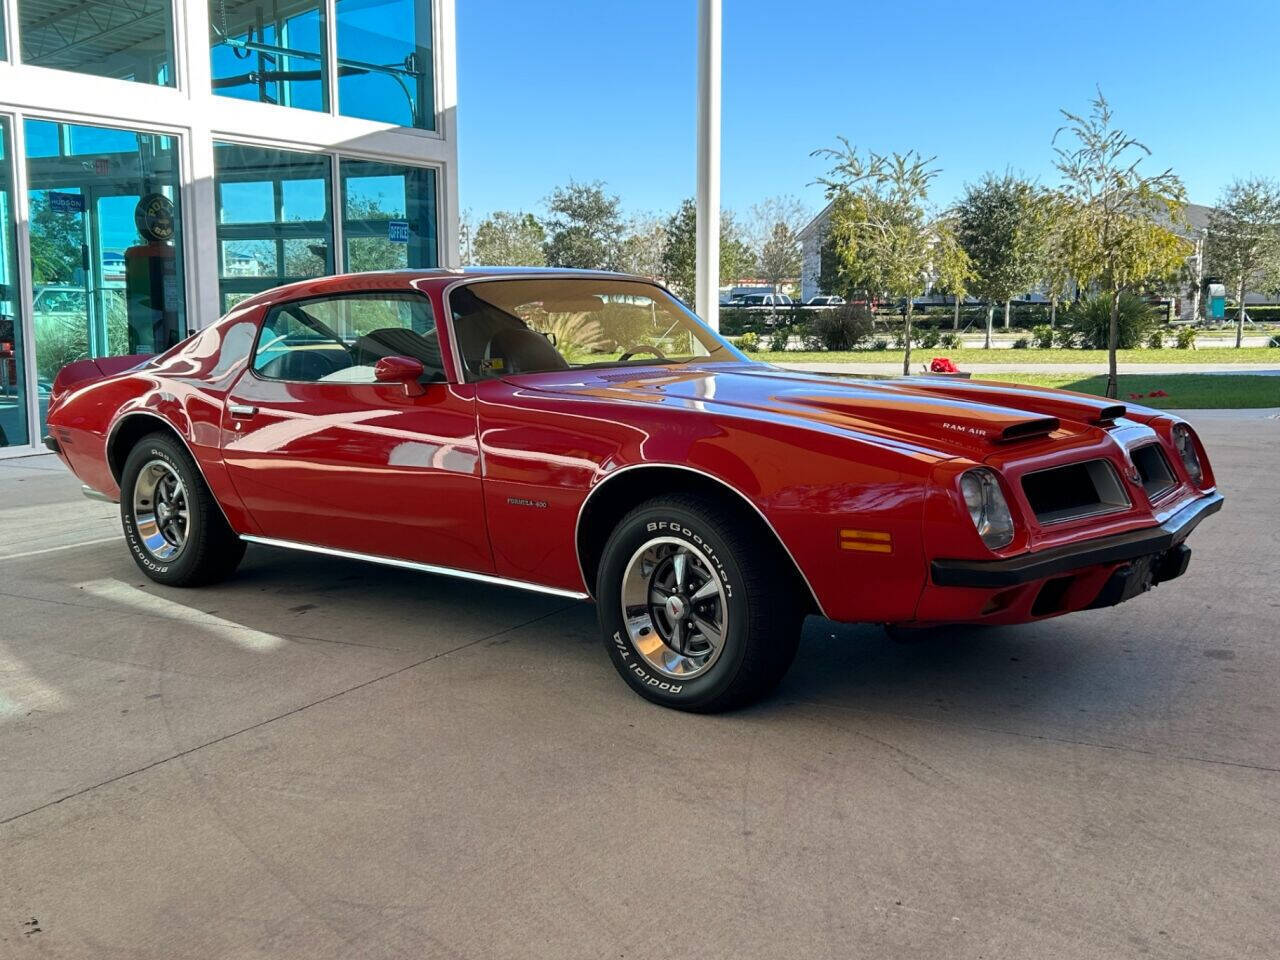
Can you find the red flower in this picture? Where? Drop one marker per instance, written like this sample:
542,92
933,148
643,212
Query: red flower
1135,396
1157,393
942,365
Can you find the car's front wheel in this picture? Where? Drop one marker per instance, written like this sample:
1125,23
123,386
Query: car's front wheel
175,530
696,615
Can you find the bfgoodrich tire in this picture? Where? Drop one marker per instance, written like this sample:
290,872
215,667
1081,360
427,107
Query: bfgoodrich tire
696,613
175,530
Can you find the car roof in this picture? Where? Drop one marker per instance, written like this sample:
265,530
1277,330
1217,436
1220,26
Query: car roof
412,279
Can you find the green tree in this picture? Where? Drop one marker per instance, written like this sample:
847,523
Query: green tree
1243,246
1000,224
953,271
1117,229
884,239
1054,269
643,246
55,242
506,239
680,254
584,227
775,238
736,259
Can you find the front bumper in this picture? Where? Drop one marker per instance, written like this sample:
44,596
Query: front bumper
995,574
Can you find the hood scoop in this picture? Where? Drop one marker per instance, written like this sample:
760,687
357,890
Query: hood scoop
1109,415
1030,428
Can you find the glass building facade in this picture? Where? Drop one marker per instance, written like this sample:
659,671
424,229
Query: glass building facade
162,160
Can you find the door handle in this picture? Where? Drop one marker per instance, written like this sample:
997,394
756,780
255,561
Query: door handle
241,411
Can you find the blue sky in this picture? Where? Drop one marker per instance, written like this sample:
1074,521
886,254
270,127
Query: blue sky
604,89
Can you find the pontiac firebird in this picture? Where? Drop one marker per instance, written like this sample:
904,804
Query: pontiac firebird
585,435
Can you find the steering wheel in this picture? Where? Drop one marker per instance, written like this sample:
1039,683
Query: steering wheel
635,348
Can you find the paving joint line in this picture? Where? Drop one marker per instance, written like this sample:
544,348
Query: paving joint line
288,713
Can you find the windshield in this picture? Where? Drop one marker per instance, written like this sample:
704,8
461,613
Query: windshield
534,325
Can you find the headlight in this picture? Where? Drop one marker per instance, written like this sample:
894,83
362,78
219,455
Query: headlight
1185,441
987,507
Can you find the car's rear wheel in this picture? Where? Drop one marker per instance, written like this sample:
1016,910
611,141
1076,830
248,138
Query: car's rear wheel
175,530
695,614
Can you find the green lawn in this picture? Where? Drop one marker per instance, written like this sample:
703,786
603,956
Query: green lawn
961,356
1186,391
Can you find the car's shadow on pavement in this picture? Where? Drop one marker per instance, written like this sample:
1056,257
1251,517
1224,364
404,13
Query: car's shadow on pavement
1054,669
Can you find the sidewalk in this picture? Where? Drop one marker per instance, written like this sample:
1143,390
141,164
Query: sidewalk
1083,369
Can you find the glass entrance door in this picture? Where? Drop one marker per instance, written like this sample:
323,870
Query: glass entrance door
106,244
14,410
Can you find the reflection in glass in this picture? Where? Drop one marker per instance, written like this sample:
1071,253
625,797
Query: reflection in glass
13,399
272,52
384,61
274,220
106,243
389,215
125,39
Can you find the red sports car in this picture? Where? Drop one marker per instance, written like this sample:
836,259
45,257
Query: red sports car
585,435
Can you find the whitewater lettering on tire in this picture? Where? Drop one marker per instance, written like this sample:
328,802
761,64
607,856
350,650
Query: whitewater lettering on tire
629,662
675,526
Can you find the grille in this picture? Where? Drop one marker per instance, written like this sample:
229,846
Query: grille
1073,491
1153,468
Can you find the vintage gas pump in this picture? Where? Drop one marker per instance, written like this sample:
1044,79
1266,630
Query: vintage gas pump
152,286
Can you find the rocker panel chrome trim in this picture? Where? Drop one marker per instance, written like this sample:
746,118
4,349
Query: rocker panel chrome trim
411,565
93,494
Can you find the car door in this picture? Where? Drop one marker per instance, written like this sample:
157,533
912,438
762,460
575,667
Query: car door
323,455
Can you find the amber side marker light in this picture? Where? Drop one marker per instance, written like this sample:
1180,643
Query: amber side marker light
868,541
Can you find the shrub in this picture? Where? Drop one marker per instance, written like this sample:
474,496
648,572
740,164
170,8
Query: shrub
930,339
1274,341
1186,339
1021,343
950,341
1042,337
749,342
879,343
842,328
1156,340
778,338
1093,322
1065,338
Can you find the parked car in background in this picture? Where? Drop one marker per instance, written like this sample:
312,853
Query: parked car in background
585,435
766,300
824,300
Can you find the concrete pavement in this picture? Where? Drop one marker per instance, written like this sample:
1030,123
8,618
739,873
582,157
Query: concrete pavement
321,758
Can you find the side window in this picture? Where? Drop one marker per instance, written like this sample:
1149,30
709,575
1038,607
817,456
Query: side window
340,339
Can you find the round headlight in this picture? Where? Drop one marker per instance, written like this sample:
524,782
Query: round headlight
987,507
1185,441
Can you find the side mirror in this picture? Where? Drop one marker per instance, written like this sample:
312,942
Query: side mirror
403,370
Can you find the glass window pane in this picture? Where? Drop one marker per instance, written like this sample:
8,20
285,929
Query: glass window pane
106,244
274,219
125,39
341,339
272,52
389,215
13,393
384,61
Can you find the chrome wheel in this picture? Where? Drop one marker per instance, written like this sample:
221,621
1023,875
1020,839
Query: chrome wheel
160,510
675,608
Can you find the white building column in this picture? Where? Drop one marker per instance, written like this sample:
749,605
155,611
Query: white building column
707,284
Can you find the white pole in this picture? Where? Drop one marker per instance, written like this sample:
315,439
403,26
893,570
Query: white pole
707,284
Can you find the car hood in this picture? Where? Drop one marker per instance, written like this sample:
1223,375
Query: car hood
950,417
